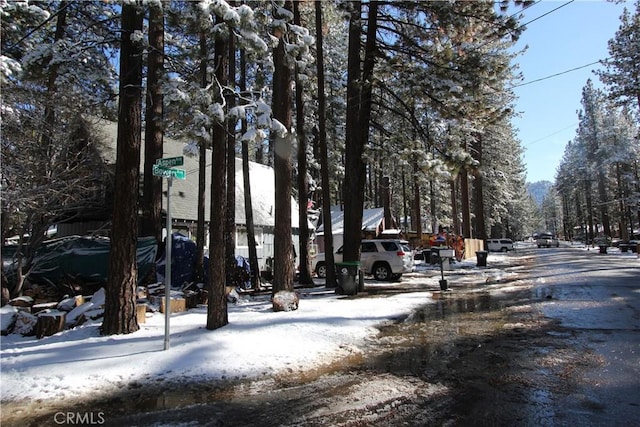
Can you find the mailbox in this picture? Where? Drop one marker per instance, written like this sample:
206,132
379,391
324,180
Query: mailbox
446,253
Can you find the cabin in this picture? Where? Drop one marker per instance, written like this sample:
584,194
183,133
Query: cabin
184,200
373,226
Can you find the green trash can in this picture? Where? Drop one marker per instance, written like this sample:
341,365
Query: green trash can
347,273
482,258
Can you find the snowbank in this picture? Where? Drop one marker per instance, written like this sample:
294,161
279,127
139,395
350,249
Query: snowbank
255,343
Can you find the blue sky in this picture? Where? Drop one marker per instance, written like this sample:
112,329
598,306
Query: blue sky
570,37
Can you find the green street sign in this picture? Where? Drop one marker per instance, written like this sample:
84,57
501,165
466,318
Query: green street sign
168,162
169,172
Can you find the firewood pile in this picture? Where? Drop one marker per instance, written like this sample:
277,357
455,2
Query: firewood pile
35,314
40,313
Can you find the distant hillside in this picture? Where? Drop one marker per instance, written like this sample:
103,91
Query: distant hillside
538,190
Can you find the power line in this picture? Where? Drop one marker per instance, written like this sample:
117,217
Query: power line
519,27
551,134
545,14
558,74
535,19
496,35
525,8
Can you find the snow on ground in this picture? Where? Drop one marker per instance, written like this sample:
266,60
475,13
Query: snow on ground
256,343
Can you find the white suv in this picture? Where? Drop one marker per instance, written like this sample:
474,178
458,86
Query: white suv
499,245
547,240
383,259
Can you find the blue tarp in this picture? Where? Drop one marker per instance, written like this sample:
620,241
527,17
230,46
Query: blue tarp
183,257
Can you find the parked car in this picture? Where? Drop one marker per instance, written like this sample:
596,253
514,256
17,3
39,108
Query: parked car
385,259
499,245
547,240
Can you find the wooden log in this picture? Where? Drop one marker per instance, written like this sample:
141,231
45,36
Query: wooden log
192,299
204,297
178,304
5,296
44,307
50,323
141,312
23,301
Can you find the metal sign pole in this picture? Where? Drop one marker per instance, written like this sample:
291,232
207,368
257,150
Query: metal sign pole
167,270
162,168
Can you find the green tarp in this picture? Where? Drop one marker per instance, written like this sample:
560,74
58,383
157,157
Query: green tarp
84,259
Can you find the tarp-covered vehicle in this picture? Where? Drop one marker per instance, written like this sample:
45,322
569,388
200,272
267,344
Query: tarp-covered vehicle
79,263
183,259
77,259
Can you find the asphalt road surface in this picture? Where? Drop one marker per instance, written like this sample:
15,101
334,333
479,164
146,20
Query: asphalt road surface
553,341
596,298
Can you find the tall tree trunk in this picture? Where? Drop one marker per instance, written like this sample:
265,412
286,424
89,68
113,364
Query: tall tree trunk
151,223
282,146
417,204
372,185
217,315
324,157
248,212
359,88
248,206
433,207
230,219
405,207
602,195
120,303
454,206
589,210
385,191
637,185
51,97
464,204
624,231
353,185
303,180
567,230
198,268
579,216
38,225
365,105
481,229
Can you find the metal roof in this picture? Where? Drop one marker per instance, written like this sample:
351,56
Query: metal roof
371,219
184,193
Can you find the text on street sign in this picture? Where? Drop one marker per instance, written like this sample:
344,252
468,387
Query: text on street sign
169,172
168,162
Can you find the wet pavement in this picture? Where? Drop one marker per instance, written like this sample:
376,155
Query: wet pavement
554,341
597,298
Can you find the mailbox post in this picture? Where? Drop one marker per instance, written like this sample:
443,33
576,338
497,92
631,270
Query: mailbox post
442,254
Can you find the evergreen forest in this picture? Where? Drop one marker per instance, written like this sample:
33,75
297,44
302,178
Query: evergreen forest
358,104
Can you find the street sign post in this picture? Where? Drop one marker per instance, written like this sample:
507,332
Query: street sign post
168,162
167,268
163,168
